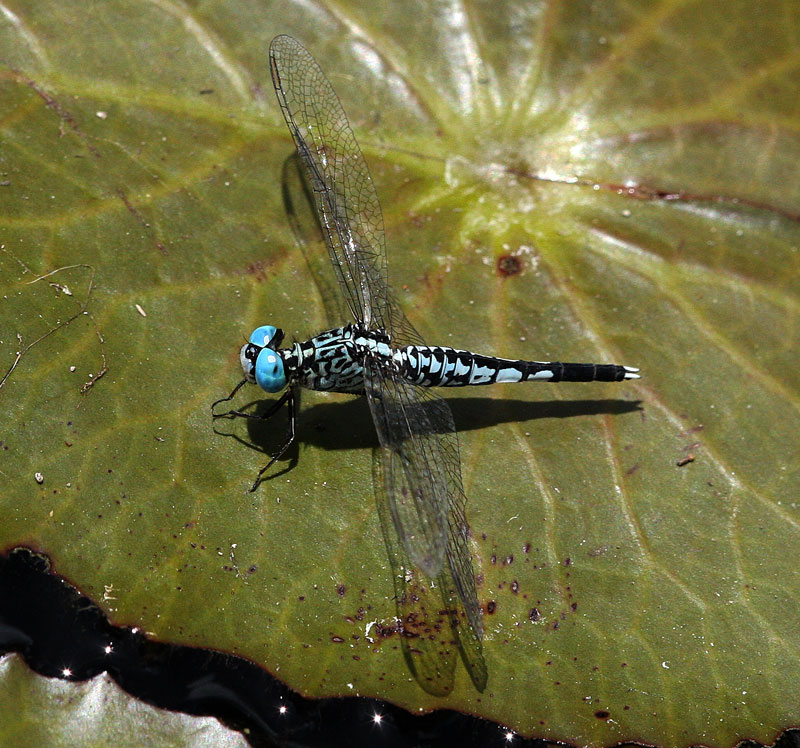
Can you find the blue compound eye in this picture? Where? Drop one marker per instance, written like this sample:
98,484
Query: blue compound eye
270,375
262,336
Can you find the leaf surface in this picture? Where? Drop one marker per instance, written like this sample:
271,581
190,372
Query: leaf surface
611,182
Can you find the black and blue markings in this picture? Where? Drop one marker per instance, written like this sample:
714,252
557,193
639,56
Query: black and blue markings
334,361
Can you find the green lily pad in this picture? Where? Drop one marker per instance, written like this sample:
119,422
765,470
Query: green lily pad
611,182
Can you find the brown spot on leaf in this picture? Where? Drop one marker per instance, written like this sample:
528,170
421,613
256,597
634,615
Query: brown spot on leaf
509,265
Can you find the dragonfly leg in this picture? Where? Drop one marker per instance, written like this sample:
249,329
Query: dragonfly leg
289,399
225,400
273,409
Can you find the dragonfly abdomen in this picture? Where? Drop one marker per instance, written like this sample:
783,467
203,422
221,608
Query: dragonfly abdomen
438,366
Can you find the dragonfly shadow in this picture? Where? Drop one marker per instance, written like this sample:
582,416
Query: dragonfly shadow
471,413
348,424
266,435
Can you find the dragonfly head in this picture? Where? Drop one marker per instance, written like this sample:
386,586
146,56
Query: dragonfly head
262,362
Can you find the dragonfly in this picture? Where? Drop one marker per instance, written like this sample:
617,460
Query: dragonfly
378,353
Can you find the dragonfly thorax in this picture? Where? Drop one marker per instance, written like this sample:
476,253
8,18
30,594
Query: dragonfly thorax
333,360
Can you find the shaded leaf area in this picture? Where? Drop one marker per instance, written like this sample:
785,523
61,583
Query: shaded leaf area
638,161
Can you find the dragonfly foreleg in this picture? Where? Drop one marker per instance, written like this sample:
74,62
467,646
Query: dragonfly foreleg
225,400
273,409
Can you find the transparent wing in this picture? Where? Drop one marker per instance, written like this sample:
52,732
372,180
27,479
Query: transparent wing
345,197
422,481
457,586
301,212
431,614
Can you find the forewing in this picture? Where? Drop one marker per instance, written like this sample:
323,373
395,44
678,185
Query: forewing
426,636
344,194
422,480
299,202
416,483
421,504
301,212
433,620
457,586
